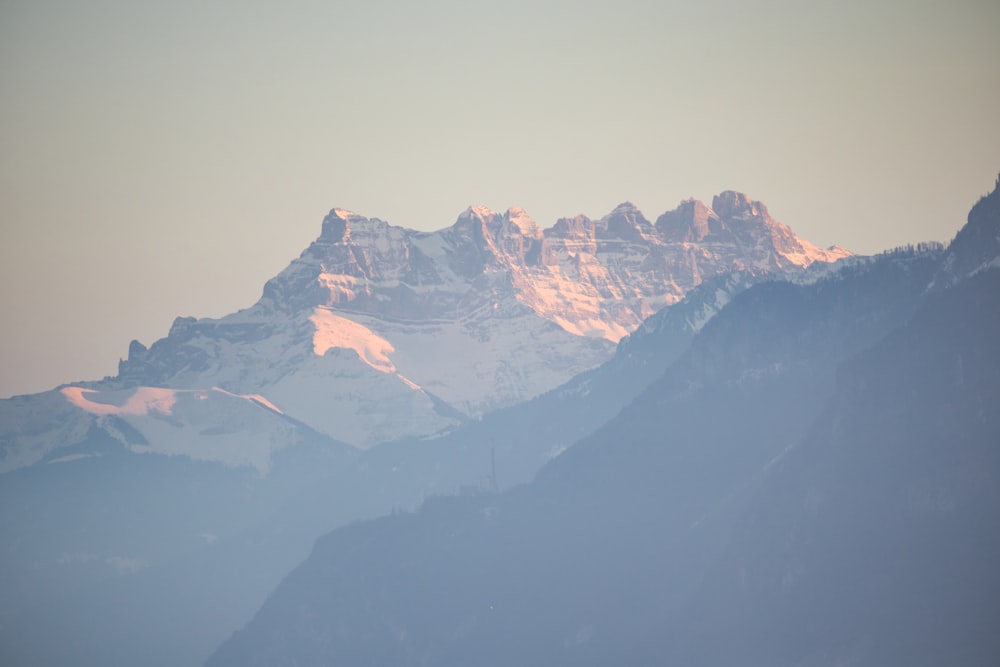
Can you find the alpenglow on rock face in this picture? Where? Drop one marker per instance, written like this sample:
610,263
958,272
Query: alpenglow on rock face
377,332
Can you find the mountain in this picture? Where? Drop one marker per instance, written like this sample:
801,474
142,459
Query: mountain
447,324
423,331
812,482
175,495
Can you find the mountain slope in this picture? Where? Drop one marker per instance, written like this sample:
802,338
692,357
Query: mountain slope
976,247
875,542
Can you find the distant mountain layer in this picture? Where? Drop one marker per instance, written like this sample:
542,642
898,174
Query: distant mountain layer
377,333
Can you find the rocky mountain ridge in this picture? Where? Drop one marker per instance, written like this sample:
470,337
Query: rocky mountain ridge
448,322
596,278
376,332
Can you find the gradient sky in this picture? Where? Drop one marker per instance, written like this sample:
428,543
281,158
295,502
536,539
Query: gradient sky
167,158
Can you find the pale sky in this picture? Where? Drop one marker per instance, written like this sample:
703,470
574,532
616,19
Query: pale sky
166,158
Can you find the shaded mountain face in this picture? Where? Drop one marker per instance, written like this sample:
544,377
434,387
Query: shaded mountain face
815,482
875,541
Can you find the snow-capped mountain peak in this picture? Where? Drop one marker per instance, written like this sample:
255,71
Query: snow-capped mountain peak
376,331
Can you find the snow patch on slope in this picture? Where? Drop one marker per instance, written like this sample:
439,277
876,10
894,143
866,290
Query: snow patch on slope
709,309
207,425
333,331
143,401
